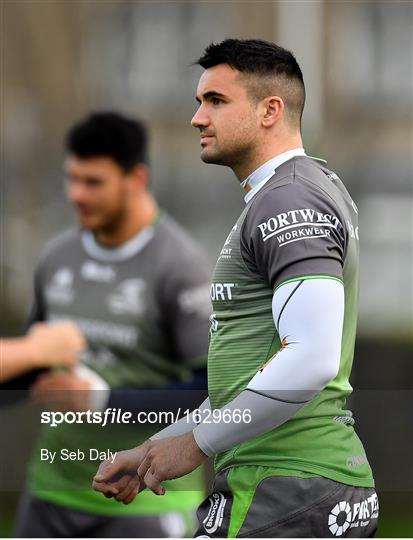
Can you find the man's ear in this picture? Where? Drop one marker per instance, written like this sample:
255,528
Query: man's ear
139,177
273,110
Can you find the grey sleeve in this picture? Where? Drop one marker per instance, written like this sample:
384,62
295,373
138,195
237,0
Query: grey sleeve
187,306
293,231
264,413
184,425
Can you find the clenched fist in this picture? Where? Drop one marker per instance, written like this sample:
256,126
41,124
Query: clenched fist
57,344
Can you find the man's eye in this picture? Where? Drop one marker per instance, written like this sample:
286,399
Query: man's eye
94,182
216,101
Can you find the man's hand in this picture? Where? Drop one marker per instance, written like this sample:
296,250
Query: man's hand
119,479
56,344
147,466
169,458
66,391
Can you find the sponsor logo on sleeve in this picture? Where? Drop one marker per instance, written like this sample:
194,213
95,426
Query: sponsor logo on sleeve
352,230
300,224
348,516
303,224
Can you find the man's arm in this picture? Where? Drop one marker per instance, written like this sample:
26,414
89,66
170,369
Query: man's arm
44,346
309,317
20,383
184,425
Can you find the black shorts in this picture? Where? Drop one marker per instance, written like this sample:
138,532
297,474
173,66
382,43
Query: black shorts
37,518
285,506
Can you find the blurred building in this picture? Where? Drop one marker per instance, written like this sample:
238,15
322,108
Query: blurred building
62,59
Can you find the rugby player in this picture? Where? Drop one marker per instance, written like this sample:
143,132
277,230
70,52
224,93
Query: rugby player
137,286
284,295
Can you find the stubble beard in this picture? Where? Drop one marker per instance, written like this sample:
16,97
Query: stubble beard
111,223
234,157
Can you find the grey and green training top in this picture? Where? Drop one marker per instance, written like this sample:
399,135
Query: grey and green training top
143,308
302,224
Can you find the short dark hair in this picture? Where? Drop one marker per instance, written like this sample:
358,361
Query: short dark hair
109,134
267,67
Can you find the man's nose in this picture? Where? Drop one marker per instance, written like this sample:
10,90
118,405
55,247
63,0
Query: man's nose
200,119
76,192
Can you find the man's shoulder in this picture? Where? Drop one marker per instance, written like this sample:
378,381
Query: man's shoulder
60,243
302,179
177,251
316,169
175,237
301,168
301,192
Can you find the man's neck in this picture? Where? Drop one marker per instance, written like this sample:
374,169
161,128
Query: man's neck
265,152
137,217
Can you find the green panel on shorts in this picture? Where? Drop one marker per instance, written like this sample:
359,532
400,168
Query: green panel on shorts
243,482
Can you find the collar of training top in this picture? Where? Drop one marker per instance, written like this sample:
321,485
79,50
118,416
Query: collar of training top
259,177
120,253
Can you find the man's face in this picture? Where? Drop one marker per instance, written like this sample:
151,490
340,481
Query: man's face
97,188
226,118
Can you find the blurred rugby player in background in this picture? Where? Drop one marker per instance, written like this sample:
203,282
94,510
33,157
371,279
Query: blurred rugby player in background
138,288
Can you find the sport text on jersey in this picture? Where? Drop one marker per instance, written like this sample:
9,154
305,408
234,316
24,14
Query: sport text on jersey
221,291
298,224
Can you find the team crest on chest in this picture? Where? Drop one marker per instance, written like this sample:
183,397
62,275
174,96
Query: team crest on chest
226,250
128,298
60,288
